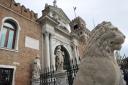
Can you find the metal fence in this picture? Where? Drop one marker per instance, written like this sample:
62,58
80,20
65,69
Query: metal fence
48,76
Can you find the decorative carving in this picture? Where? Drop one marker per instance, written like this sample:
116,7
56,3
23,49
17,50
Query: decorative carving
54,3
36,69
98,66
59,59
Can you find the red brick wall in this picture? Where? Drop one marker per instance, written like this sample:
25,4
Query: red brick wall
25,55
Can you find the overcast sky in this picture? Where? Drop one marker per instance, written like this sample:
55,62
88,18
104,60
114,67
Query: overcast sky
92,11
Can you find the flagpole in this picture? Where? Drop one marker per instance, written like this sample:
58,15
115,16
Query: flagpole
74,11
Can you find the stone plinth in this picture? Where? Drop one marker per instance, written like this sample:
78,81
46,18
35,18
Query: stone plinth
36,82
61,78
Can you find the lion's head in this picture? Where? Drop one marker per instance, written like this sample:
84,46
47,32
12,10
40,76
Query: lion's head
104,39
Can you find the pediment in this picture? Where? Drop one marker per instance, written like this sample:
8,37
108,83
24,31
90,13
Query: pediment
60,14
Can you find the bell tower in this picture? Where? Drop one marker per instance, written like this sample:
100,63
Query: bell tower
78,28
79,37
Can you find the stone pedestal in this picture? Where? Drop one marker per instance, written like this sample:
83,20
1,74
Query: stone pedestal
36,82
61,78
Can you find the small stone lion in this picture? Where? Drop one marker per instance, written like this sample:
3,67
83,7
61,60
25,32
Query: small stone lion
98,66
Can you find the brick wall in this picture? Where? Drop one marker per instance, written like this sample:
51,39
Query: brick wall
25,55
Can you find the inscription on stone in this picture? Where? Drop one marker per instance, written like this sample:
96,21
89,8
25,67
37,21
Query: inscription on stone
31,43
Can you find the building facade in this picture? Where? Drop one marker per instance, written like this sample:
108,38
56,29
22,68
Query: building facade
23,36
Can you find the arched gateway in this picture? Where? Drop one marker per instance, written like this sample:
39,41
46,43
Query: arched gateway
56,36
55,32
66,57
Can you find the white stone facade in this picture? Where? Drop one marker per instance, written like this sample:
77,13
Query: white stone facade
55,32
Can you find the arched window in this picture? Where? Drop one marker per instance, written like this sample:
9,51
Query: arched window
8,34
76,27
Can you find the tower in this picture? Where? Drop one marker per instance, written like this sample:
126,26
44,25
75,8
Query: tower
79,35
78,28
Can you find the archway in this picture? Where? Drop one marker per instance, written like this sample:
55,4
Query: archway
66,57
66,64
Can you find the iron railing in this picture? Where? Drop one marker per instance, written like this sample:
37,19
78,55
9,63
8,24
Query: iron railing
48,76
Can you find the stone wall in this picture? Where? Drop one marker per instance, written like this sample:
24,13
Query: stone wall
29,27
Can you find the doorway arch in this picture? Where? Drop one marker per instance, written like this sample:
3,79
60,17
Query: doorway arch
66,57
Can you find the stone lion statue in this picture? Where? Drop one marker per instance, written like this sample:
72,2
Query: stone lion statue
98,66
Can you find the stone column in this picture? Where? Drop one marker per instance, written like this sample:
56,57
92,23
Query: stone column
78,55
46,50
52,57
75,54
42,57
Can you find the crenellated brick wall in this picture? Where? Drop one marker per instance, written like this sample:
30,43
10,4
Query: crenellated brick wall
24,56
20,9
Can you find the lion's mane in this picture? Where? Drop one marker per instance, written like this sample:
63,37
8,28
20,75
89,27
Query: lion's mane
100,40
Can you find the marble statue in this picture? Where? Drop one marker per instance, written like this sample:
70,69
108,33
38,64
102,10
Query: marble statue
36,69
59,59
98,66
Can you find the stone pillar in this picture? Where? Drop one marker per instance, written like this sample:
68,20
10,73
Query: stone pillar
42,53
52,57
78,55
75,54
46,50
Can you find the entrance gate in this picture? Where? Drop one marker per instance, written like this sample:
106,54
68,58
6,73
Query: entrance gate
48,77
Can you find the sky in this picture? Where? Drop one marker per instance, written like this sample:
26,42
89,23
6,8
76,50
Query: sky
92,11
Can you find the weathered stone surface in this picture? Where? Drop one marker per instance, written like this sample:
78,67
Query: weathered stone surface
36,82
36,68
61,78
59,59
99,66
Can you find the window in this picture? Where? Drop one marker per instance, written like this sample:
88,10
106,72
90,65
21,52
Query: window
7,75
75,27
8,34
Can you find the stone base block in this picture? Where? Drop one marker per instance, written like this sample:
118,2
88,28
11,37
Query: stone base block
61,78
35,82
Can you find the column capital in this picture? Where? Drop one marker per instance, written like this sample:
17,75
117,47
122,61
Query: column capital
48,33
52,34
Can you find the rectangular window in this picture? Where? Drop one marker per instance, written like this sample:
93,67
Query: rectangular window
6,76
